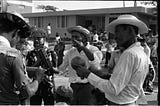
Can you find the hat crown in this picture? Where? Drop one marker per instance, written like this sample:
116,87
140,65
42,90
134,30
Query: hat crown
80,29
130,20
18,15
127,17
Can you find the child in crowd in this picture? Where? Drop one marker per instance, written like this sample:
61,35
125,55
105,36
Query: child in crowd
63,95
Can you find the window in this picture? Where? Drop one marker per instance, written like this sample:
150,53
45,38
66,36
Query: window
62,21
58,21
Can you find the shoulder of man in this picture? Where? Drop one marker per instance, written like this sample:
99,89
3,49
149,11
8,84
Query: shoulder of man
13,52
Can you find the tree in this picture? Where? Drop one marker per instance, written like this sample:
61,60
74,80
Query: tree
47,8
153,2
50,8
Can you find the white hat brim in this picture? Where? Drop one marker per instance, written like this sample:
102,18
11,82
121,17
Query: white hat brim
135,22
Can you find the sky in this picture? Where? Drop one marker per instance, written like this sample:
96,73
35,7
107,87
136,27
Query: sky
74,5
78,5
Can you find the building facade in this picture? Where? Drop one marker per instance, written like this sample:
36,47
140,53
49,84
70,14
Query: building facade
99,18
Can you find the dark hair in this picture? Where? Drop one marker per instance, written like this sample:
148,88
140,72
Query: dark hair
6,26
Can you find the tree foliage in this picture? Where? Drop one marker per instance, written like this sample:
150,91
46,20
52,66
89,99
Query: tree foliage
153,2
47,7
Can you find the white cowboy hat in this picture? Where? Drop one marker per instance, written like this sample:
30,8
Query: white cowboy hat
128,19
79,29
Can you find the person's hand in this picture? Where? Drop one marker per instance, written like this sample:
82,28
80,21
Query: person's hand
40,74
82,72
78,44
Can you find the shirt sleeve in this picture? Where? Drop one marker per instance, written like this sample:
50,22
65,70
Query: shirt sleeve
97,56
65,63
111,61
119,79
20,74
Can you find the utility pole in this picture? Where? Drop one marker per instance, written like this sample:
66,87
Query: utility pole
3,5
135,3
123,3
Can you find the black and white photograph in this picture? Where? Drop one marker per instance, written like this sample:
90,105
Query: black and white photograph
79,52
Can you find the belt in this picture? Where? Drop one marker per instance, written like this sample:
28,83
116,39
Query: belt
80,83
108,102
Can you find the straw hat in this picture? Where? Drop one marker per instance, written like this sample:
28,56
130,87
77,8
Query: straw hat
79,29
130,20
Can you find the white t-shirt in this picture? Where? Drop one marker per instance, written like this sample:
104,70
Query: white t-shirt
49,29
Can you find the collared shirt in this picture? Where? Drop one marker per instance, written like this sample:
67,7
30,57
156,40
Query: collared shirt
125,84
12,73
49,29
66,65
4,41
147,50
115,55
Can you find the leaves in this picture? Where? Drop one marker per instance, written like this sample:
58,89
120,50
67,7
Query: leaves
47,7
153,3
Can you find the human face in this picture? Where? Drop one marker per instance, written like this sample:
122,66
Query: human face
122,35
14,38
38,41
76,36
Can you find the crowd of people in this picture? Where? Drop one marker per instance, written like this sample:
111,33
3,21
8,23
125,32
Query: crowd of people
28,65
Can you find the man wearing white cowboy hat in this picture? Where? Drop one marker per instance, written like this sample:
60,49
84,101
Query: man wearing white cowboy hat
92,56
125,84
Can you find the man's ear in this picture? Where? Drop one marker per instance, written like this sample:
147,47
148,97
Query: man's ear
15,33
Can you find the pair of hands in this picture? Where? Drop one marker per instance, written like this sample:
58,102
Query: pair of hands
82,71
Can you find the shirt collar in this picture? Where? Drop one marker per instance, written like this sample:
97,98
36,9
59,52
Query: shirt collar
4,41
134,44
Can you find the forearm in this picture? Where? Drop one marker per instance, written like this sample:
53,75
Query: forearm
31,71
102,73
102,84
88,53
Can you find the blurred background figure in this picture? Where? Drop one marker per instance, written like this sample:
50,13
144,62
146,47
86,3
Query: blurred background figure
46,89
49,30
64,95
110,46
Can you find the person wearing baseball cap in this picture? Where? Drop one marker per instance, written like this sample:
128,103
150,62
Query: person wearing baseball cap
13,74
125,84
92,56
